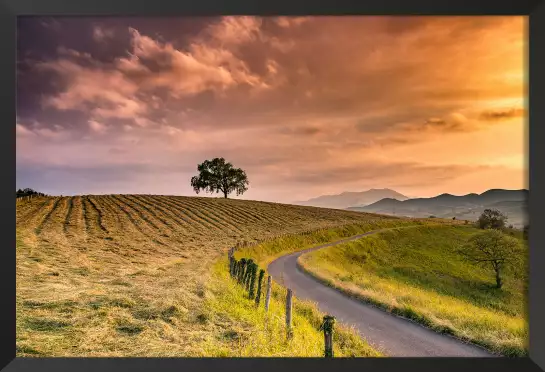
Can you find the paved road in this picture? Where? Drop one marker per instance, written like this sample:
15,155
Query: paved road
393,335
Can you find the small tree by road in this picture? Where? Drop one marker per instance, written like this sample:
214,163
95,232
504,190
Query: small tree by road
493,249
492,219
217,175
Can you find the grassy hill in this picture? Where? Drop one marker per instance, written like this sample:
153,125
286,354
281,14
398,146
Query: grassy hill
417,273
138,275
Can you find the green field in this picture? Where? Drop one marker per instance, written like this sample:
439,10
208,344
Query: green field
139,275
417,273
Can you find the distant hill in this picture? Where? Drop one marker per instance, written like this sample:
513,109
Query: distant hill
352,199
511,202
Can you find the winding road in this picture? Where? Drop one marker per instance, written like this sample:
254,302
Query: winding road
393,335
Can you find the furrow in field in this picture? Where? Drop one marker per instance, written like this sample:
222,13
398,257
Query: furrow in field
126,208
69,210
55,222
86,222
236,212
238,223
151,209
110,214
166,214
245,222
242,209
24,207
269,217
277,219
98,214
192,221
90,216
75,225
172,212
247,216
251,212
124,222
190,213
272,212
120,207
211,210
122,231
197,209
151,224
141,214
38,229
32,211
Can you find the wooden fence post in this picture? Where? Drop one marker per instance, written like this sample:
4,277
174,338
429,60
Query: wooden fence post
247,277
232,266
241,269
268,294
327,326
289,296
259,285
252,280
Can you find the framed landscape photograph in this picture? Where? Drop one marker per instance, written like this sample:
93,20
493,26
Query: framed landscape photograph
266,188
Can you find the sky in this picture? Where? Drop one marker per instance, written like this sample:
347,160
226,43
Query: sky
307,106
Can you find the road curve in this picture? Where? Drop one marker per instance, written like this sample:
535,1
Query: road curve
393,335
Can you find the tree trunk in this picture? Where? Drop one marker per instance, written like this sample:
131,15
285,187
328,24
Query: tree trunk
225,194
498,278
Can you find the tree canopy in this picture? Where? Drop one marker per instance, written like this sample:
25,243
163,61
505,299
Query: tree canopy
493,249
217,175
492,219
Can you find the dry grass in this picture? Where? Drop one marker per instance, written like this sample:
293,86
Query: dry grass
123,275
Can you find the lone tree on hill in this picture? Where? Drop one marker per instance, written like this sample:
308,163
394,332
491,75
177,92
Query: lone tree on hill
493,249
217,175
492,219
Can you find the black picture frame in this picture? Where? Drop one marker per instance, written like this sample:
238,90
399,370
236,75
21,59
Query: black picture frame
535,9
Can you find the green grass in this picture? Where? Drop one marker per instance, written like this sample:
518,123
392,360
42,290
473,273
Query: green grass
268,251
416,273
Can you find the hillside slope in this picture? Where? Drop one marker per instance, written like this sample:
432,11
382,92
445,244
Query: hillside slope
129,275
418,273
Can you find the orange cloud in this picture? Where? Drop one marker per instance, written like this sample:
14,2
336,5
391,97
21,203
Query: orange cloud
496,115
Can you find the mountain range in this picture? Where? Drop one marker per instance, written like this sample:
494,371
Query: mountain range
513,203
352,199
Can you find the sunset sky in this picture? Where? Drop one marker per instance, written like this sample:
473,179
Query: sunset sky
307,106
